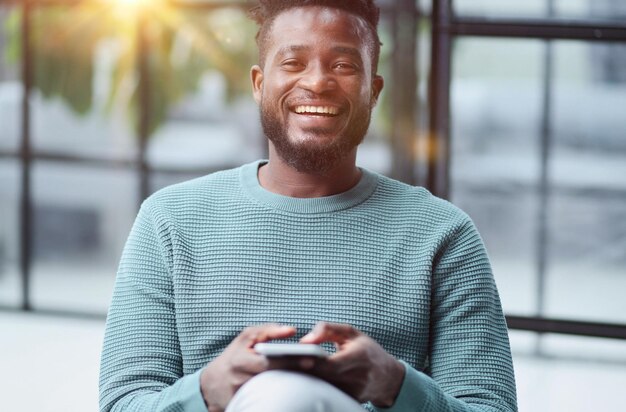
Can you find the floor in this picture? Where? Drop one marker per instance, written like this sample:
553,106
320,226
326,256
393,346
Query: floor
50,364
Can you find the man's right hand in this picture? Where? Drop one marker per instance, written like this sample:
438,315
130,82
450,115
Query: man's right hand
237,364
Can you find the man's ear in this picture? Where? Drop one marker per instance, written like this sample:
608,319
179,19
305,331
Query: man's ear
256,75
377,86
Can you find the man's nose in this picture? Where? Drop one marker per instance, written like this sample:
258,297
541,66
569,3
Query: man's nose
318,79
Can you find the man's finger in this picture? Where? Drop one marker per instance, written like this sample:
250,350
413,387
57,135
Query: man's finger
330,332
275,332
263,333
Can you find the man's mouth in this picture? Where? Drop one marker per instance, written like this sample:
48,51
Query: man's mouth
316,110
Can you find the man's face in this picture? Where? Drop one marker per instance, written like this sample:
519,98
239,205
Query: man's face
316,89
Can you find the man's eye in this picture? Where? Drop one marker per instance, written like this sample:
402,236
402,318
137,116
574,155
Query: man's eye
291,65
345,67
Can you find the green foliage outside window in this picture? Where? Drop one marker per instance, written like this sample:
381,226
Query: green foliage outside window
180,46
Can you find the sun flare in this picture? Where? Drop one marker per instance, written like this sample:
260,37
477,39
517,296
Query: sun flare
134,7
133,3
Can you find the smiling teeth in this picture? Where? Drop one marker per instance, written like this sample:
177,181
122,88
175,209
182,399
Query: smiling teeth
317,110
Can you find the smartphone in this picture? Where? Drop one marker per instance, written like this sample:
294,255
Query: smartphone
290,349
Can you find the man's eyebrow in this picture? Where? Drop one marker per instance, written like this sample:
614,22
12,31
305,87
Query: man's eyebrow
352,51
292,49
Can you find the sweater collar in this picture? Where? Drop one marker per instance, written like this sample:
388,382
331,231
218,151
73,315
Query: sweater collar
350,198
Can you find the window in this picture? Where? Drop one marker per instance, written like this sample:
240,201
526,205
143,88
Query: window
510,109
527,101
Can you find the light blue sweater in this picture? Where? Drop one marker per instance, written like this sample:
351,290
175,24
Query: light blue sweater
208,257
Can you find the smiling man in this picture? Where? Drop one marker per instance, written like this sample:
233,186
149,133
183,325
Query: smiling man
306,247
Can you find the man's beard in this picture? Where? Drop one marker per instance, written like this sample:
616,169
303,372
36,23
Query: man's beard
311,157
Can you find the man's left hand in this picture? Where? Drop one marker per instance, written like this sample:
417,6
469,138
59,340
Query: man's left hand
361,367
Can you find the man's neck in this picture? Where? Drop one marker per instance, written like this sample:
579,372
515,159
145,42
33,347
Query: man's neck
281,178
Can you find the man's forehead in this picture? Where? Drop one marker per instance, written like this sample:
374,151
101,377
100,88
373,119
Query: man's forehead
294,18
308,20
320,12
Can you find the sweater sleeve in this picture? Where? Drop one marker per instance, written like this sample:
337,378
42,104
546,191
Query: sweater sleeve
141,364
470,361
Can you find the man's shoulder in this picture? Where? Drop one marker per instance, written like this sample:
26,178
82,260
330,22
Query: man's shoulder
201,190
416,202
416,195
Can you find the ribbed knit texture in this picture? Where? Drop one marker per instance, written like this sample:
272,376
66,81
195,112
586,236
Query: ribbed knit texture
211,256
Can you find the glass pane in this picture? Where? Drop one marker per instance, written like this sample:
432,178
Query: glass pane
590,9
587,207
83,93
204,131
495,104
10,86
10,283
514,8
82,217
161,180
210,120
375,151
579,9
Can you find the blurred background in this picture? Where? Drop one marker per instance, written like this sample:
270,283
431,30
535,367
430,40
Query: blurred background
514,110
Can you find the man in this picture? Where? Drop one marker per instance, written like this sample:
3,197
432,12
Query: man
306,244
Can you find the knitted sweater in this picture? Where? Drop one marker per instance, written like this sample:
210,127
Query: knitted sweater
211,256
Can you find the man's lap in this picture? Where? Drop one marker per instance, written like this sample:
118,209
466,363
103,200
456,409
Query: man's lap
285,391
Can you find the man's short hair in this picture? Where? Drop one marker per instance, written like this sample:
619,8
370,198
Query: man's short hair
267,10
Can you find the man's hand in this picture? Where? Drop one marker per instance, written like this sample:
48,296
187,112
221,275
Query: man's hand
361,367
237,364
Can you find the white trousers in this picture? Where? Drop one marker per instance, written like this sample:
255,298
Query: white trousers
286,391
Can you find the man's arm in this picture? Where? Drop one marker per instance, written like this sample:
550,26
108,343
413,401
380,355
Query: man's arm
141,364
470,360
